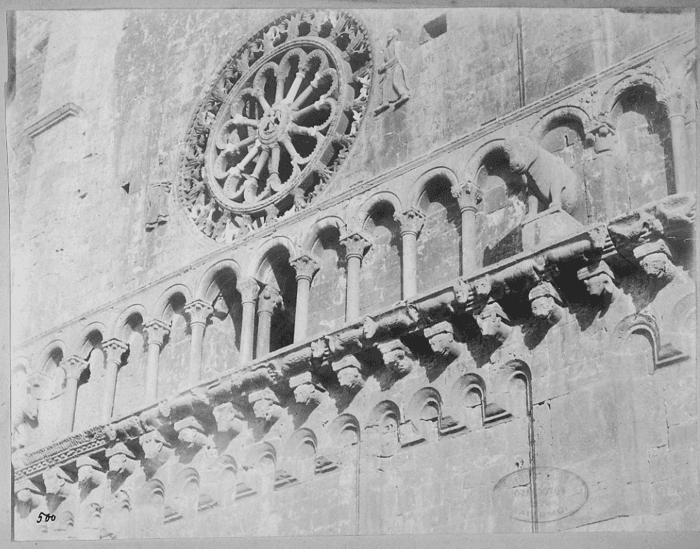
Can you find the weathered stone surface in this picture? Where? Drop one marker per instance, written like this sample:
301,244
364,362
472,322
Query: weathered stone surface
460,358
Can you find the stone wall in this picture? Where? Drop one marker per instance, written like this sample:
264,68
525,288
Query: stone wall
424,344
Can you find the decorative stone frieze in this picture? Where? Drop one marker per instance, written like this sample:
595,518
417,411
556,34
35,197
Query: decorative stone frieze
546,303
494,322
307,388
90,473
349,373
599,281
442,340
397,357
228,419
265,405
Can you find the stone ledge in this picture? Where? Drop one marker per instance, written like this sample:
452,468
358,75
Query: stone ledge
51,119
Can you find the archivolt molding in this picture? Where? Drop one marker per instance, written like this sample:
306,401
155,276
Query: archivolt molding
382,197
208,279
323,224
256,268
561,113
420,186
163,302
120,325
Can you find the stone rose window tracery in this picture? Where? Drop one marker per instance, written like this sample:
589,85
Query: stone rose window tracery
277,124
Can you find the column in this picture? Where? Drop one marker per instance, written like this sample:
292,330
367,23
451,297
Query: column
411,224
468,196
156,330
305,266
74,367
356,245
199,312
249,290
269,299
674,104
114,349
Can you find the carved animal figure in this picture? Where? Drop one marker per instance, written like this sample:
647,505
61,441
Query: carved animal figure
550,181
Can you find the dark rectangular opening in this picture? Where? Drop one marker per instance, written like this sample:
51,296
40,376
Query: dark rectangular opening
433,29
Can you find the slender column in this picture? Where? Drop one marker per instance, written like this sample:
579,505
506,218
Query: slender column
269,299
249,290
114,349
674,104
156,330
411,224
74,367
355,245
468,196
199,312
305,266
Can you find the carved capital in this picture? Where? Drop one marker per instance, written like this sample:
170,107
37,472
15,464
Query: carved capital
269,298
74,366
599,280
249,289
355,244
305,266
397,356
156,330
349,372
228,419
265,405
199,311
494,322
307,389
441,339
673,102
546,303
468,196
411,221
114,349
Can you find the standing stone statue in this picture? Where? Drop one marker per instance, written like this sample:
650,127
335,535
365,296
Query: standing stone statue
392,79
157,207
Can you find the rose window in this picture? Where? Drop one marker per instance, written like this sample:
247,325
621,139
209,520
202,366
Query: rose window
277,124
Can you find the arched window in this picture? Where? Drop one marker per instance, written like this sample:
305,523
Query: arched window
131,378
644,146
173,369
504,206
380,276
328,286
90,384
439,243
222,337
278,273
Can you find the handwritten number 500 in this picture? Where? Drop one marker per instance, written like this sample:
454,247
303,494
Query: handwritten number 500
46,517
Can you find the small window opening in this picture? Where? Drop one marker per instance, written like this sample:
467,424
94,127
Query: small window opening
433,29
125,187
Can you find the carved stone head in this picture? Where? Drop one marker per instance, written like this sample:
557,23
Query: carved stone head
599,280
396,356
265,405
350,378
55,481
122,461
441,339
655,258
545,303
227,418
89,471
152,443
521,153
493,322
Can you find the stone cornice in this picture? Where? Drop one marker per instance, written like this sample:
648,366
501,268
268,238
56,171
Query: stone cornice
472,294
395,172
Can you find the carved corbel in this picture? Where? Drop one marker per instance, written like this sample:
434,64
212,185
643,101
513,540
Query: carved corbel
308,390
157,417
57,483
320,351
125,429
265,405
122,461
190,403
90,473
599,281
464,294
481,288
494,322
228,419
191,434
369,327
546,303
28,494
397,357
442,340
349,373
405,317
655,258
156,449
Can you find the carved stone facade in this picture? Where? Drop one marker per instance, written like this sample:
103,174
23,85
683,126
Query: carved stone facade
372,275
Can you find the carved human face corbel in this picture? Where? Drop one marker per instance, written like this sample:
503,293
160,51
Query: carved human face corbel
191,435
442,341
599,281
90,473
493,322
57,482
265,405
349,374
545,303
28,494
155,448
228,419
307,390
655,258
122,461
397,357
